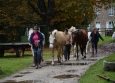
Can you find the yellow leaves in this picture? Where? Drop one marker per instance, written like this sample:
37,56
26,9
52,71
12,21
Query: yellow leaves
76,11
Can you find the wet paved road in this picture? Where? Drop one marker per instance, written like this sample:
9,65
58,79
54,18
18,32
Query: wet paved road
68,72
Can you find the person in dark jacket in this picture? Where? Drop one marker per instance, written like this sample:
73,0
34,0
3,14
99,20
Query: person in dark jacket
95,35
36,39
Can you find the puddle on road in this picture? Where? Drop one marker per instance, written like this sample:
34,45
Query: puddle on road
17,76
91,59
21,75
84,63
27,81
72,71
46,63
66,76
68,63
25,72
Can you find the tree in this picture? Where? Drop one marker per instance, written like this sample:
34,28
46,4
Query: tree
54,12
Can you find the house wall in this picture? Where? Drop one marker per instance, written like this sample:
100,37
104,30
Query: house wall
103,17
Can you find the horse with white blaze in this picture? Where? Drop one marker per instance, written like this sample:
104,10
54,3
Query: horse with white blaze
58,41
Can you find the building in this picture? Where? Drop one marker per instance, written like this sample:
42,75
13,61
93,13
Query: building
105,19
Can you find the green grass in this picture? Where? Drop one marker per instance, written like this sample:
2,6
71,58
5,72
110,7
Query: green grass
91,74
10,64
107,39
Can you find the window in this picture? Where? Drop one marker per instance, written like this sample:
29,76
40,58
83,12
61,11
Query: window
88,27
97,11
109,25
111,11
97,25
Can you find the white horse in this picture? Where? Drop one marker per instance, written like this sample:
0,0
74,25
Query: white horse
113,36
88,46
57,40
72,29
30,32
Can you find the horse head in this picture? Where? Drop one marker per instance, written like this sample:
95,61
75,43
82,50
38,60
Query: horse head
52,38
76,36
72,29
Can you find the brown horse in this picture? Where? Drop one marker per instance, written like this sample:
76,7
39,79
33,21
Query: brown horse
57,40
80,38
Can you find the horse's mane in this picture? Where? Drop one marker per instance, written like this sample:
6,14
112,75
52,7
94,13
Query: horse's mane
72,29
54,32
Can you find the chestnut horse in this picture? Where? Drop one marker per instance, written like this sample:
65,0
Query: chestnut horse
57,40
80,38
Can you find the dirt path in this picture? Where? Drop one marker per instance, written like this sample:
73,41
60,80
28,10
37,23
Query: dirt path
69,72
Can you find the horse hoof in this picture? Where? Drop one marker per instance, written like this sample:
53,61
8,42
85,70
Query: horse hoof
74,56
77,59
53,65
61,63
84,56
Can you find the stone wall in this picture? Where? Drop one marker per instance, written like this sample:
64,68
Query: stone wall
103,17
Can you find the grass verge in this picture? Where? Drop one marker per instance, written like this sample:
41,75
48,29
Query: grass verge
10,64
91,75
107,39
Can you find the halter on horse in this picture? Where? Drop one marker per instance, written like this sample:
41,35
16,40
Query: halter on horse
80,38
57,40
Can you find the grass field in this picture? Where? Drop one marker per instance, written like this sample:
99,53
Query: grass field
91,74
10,64
107,39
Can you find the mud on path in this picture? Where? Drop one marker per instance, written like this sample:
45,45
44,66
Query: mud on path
69,72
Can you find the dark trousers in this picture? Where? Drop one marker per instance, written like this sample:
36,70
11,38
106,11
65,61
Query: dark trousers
37,56
67,51
94,45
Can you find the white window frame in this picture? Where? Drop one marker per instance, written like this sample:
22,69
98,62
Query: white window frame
111,11
109,25
97,11
97,26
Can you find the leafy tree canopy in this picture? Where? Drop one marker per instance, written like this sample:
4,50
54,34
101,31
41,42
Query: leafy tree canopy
56,13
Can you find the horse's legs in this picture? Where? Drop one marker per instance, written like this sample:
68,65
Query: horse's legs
74,50
58,55
84,49
52,56
62,52
87,46
33,56
90,47
42,54
81,48
77,51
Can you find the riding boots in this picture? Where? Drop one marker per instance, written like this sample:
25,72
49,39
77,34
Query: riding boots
36,63
92,52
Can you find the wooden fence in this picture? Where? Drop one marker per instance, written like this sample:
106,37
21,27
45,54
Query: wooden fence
106,31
